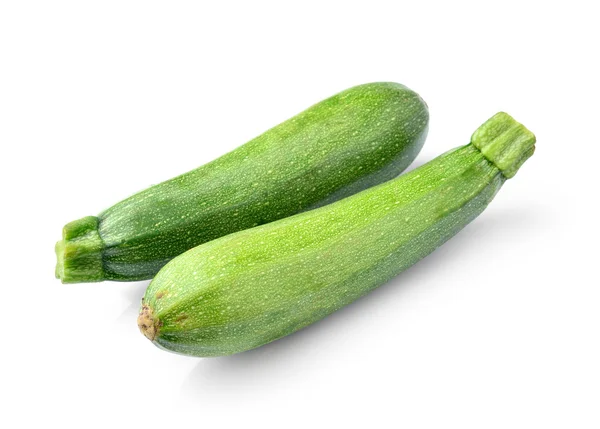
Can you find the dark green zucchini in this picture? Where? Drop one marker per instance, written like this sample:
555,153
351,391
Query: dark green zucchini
358,138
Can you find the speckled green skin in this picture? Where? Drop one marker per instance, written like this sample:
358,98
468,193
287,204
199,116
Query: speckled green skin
255,286
358,138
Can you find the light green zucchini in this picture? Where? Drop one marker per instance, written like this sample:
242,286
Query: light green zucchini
255,286
358,138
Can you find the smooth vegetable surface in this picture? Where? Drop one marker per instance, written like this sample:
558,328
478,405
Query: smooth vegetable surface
255,286
358,138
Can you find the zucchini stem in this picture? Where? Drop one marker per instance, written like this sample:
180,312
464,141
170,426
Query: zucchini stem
504,142
79,253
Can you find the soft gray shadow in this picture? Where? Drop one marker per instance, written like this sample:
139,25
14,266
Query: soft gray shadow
133,292
248,370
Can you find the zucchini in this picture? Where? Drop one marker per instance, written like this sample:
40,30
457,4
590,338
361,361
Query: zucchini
255,286
358,138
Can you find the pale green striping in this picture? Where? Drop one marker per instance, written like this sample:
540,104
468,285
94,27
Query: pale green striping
258,285
252,287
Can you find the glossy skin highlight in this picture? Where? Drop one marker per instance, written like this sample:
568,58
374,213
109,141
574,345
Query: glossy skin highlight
255,286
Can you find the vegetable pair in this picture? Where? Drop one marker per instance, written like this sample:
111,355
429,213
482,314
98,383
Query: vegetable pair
250,287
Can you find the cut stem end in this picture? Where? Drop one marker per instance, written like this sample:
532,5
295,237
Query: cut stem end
504,142
79,253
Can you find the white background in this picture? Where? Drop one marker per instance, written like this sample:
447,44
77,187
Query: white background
498,328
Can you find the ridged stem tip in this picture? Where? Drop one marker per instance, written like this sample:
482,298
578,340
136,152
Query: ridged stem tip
504,142
79,253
